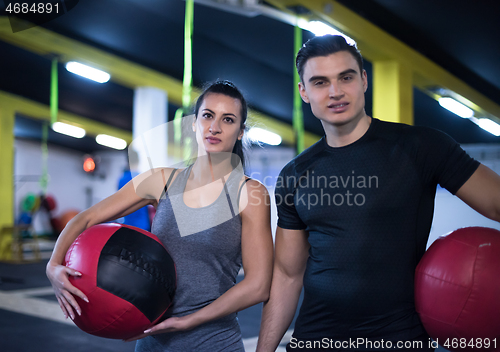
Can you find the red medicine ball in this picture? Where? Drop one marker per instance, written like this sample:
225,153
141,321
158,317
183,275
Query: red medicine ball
128,277
457,289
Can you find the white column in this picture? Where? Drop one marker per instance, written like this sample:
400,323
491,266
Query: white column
149,129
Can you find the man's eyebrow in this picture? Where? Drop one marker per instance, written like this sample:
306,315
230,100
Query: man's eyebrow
348,71
315,78
324,78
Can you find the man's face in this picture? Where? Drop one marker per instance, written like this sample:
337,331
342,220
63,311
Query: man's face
335,88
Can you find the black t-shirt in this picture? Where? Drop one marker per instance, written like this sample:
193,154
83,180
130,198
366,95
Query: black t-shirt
368,209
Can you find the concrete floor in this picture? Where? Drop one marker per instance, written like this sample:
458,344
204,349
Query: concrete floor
31,320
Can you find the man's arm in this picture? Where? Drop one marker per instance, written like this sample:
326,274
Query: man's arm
482,192
291,253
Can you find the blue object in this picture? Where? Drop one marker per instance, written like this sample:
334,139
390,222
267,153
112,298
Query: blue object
25,218
139,218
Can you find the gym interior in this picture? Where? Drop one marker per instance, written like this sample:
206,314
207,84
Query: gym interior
158,56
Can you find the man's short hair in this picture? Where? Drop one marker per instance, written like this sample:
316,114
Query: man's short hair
324,46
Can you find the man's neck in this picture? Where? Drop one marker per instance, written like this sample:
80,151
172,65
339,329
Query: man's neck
342,135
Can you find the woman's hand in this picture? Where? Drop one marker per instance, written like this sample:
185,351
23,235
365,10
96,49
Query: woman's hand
169,325
64,290
119,204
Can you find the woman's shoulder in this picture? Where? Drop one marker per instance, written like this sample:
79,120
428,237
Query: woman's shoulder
247,184
252,192
153,181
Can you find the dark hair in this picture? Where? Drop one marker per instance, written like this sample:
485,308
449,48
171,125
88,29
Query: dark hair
324,46
229,89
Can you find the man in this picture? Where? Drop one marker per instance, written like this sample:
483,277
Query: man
354,215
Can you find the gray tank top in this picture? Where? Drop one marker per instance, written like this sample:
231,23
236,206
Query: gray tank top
205,244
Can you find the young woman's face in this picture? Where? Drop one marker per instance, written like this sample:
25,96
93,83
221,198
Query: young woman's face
218,124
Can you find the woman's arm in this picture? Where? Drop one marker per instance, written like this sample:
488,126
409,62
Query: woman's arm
123,202
257,257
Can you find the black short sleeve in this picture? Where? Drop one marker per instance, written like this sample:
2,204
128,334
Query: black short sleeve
288,218
452,165
368,209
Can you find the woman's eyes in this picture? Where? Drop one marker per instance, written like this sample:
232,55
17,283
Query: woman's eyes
208,116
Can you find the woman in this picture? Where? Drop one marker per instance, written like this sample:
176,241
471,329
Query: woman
210,217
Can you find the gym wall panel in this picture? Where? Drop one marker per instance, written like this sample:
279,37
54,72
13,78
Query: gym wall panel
68,183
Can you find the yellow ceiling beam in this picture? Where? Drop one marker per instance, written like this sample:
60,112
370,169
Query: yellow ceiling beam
127,73
46,43
377,45
392,92
40,111
259,120
6,176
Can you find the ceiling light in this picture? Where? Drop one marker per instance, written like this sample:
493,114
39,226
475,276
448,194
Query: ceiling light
264,136
110,141
490,126
68,130
456,107
87,72
319,28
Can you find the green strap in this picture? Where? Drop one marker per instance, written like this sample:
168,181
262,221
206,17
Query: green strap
178,126
298,118
44,179
188,71
188,54
53,92
54,102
